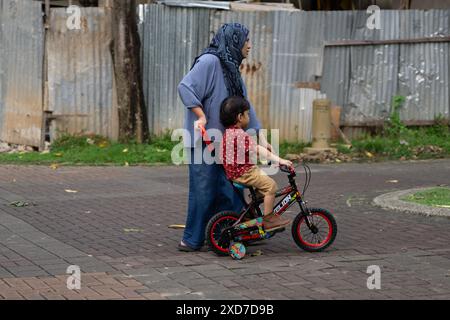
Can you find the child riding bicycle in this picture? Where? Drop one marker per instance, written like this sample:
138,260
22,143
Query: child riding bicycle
239,148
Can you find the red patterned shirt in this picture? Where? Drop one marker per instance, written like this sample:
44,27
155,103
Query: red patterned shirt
238,152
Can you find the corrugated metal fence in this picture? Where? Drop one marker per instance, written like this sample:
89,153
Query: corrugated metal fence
288,49
21,56
80,74
171,39
419,71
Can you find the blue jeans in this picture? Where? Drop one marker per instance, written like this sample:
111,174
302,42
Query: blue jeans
209,193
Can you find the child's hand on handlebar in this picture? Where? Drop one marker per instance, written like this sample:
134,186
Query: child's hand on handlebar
286,163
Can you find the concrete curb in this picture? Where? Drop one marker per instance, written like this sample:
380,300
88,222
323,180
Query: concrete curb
391,201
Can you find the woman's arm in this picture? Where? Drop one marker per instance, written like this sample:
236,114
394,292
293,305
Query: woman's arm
197,85
200,115
198,82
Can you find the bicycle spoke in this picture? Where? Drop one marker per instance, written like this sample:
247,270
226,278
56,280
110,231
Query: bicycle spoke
319,223
308,230
325,234
318,238
323,230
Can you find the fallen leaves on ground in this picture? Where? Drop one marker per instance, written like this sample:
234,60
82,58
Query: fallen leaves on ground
392,181
19,204
177,226
368,154
54,166
256,253
320,157
429,149
103,144
128,230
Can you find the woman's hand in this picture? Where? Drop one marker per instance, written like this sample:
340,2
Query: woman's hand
200,122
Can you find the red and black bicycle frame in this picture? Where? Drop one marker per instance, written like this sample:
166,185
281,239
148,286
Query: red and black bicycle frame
253,229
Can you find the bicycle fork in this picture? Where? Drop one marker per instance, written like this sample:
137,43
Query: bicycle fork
305,211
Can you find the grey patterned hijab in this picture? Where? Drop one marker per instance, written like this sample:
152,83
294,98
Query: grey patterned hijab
227,45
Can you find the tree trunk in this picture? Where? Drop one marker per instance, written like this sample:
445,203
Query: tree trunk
125,50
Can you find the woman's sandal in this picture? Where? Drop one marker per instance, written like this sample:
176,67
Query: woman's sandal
185,248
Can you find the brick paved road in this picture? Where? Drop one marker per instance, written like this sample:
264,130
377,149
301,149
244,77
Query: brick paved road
115,228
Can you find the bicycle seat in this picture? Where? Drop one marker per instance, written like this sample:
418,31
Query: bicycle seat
240,186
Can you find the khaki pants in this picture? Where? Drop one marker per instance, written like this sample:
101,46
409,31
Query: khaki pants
259,180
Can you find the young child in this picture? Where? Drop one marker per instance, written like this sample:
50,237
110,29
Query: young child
237,150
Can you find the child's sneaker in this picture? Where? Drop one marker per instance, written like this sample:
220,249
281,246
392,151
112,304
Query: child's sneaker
272,222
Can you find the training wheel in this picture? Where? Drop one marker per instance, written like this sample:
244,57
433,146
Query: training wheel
237,250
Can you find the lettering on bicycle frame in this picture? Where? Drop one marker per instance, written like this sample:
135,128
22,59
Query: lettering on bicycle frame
286,201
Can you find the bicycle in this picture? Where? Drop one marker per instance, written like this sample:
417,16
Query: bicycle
313,230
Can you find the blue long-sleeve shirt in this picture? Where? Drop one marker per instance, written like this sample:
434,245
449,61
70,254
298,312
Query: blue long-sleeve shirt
204,86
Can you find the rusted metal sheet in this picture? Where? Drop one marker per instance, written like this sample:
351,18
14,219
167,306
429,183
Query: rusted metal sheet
388,62
21,57
289,52
373,83
80,74
423,76
171,38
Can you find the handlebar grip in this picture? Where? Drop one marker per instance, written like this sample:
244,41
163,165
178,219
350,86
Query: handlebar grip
286,169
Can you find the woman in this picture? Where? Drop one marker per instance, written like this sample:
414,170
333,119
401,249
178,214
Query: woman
213,77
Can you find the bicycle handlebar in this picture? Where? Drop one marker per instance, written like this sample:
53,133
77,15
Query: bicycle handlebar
287,169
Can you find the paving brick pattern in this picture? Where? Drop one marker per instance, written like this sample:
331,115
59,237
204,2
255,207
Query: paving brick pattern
115,227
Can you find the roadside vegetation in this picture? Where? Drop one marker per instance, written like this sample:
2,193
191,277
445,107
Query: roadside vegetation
96,150
394,142
437,197
402,143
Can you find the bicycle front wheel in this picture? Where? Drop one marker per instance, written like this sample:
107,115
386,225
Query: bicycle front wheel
320,235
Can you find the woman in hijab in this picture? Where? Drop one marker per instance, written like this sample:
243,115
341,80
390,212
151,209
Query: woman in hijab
214,76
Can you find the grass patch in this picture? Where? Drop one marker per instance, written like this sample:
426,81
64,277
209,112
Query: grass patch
415,143
401,142
431,197
292,148
97,150
396,143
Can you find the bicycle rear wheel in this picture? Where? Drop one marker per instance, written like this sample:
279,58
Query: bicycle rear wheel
214,229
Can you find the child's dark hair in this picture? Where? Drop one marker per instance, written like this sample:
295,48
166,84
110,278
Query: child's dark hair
230,108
